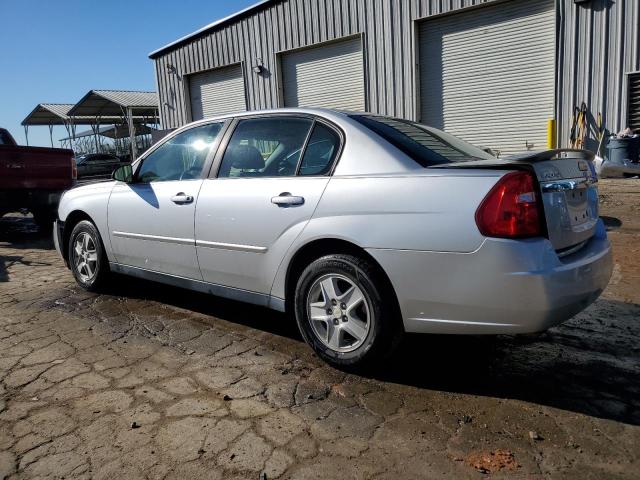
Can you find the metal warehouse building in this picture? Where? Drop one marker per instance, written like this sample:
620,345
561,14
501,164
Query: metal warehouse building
491,72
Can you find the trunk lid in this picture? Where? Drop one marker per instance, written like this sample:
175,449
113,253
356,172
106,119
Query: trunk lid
568,189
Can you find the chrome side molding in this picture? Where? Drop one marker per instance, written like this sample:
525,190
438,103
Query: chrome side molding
191,241
231,246
155,238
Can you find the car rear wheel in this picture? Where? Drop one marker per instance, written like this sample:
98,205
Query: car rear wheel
342,313
87,259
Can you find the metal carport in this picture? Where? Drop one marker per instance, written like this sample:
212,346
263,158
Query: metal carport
54,114
115,132
130,107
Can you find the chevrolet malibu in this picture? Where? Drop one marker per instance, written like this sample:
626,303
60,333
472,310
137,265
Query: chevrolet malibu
362,226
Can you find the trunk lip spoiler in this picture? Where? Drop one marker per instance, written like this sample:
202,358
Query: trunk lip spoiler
551,154
523,158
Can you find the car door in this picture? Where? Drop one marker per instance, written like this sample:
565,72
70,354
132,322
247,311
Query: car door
102,165
269,180
151,219
111,163
95,164
83,166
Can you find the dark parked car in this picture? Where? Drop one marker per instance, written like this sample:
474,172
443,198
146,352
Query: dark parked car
97,164
33,178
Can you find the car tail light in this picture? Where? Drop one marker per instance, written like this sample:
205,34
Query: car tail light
74,169
511,209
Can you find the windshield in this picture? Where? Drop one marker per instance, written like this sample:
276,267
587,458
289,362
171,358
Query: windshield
427,146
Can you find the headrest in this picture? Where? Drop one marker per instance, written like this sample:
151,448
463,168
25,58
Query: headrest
246,157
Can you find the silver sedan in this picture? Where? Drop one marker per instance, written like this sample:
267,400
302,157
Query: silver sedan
362,226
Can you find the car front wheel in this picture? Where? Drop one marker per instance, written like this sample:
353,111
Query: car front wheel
86,256
342,312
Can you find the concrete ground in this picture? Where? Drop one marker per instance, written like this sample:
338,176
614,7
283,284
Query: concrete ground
149,381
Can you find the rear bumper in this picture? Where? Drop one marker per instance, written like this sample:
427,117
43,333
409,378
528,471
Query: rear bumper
505,286
31,199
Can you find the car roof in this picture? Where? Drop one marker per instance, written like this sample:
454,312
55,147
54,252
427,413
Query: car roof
337,116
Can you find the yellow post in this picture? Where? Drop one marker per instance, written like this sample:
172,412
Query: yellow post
551,134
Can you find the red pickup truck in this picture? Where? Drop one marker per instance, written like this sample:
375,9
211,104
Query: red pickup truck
33,178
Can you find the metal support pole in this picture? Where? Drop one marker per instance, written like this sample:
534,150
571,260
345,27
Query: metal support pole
132,134
26,134
96,128
51,134
67,127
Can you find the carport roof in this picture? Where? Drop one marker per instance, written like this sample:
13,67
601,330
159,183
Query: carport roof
106,103
48,114
58,114
112,131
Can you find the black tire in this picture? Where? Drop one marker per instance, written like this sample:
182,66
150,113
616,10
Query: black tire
385,326
44,220
101,272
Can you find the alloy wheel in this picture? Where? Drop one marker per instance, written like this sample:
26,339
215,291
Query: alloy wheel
339,312
85,257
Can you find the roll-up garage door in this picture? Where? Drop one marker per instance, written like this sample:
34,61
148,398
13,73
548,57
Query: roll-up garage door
488,75
217,92
330,75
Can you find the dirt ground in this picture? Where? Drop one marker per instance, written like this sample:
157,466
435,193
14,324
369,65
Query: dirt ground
155,382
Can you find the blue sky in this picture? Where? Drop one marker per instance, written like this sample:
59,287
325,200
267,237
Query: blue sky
56,51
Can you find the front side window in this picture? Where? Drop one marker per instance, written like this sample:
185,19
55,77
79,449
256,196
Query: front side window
265,147
427,146
182,157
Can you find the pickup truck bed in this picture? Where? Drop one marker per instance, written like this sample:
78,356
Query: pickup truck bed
33,178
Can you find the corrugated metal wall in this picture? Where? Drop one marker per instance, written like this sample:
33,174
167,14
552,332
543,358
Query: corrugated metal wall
598,43
289,24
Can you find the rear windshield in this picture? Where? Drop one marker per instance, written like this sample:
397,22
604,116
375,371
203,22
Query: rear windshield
427,146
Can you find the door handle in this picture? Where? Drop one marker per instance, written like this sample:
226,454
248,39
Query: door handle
181,198
285,199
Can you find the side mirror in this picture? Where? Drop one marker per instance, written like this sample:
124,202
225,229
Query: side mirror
124,173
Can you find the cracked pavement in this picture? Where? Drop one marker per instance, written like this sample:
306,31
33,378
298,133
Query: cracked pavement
149,381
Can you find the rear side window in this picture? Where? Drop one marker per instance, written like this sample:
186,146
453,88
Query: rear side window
265,147
427,146
321,151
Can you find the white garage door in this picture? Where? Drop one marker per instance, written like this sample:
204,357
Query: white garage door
217,92
330,76
488,75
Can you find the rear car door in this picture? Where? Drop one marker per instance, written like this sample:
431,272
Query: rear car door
151,219
269,180
104,165
91,165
